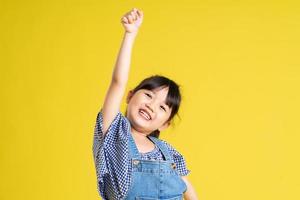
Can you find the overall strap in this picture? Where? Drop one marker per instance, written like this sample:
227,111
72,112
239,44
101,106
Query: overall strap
162,147
133,151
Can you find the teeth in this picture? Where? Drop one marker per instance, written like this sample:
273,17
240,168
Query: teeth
145,114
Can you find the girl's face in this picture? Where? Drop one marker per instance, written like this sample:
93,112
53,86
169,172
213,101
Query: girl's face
147,110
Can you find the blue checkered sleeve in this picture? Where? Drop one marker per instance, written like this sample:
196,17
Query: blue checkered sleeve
179,160
111,156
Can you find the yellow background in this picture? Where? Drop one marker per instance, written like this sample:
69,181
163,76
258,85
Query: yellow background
237,63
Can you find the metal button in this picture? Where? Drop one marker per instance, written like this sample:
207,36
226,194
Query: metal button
173,165
136,162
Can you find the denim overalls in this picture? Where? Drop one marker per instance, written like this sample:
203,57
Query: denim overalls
153,179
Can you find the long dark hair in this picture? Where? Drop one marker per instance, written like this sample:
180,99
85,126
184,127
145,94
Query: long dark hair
173,98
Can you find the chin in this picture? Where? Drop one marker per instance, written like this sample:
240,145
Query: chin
139,123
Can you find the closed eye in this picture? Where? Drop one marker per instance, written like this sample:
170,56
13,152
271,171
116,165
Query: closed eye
163,108
148,95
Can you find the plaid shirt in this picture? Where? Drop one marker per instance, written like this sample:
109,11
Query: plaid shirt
112,161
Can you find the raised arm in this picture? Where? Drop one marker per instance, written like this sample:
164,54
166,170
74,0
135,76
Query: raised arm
131,22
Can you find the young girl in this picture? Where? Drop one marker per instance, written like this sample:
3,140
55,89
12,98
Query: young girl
131,161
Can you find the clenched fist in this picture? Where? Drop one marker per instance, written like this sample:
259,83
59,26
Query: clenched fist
132,20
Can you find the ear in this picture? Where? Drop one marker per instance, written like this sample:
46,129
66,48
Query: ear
164,126
129,95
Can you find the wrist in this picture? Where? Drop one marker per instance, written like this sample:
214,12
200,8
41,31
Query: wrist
131,34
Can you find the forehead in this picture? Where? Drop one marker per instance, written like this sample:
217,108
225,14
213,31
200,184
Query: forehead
160,91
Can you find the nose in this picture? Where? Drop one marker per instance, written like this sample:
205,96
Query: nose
149,106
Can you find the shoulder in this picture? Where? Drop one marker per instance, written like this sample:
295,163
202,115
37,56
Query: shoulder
171,148
178,159
118,118
118,129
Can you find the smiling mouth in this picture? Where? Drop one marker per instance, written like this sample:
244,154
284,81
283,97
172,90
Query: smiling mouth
145,114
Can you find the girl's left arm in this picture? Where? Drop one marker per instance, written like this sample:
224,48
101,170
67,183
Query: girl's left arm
190,193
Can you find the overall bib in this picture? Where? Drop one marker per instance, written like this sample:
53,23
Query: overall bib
154,179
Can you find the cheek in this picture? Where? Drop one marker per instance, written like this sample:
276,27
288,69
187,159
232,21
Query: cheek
139,100
134,103
167,115
162,116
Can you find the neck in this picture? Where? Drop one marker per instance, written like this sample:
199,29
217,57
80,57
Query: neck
137,134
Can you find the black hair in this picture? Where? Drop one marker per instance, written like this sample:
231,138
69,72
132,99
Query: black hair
173,99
